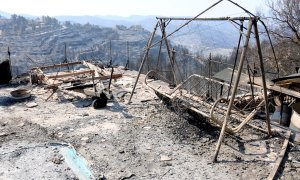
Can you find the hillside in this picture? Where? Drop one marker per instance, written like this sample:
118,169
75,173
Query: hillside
218,37
42,40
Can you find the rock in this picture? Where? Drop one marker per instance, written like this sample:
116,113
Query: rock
21,124
147,127
165,164
31,104
121,151
57,159
165,158
85,114
85,139
126,114
3,134
204,140
128,176
4,124
60,134
102,177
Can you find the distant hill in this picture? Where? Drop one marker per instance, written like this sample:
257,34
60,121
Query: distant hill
204,37
35,41
42,40
218,37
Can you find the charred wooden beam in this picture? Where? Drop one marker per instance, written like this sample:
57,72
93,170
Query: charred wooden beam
114,76
57,65
70,74
280,157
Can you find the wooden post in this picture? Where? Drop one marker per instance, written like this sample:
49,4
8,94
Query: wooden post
262,75
236,83
143,60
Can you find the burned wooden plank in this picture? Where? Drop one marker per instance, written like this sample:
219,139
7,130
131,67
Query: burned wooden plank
280,157
58,65
271,86
98,70
69,74
114,76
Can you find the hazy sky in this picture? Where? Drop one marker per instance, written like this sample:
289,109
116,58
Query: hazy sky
126,7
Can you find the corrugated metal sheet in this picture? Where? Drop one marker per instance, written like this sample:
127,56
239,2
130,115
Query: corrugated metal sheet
225,75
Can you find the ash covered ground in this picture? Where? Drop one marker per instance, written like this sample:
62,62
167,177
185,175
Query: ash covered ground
141,140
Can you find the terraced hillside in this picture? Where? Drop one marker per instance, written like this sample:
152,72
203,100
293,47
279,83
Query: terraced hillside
43,40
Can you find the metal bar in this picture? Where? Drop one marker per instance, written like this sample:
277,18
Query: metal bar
185,24
111,75
272,47
204,19
9,61
163,31
262,75
110,55
127,63
236,83
236,56
94,87
158,57
209,76
251,83
143,61
66,60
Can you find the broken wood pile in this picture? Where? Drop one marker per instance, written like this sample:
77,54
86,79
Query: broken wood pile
89,73
83,74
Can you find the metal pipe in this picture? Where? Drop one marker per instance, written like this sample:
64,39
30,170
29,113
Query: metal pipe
185,24
143,61
204,19
111,76
236,56
158,57
163,31
236,83
262,75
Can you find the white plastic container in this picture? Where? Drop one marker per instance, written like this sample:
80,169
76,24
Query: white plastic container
295,118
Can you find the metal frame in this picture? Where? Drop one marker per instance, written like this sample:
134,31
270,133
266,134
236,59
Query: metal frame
252,23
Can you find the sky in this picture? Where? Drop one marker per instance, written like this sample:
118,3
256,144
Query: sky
127,8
